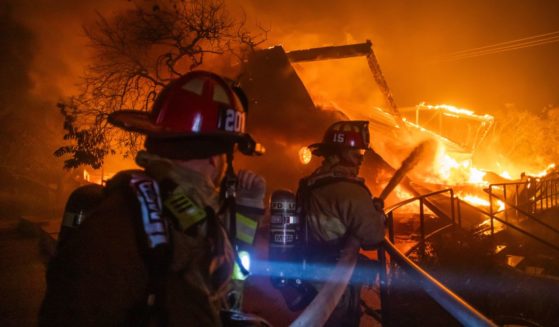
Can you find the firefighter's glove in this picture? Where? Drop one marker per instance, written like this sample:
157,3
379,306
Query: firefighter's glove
251,189
379,204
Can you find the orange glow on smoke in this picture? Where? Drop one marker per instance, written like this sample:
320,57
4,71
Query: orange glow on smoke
543,172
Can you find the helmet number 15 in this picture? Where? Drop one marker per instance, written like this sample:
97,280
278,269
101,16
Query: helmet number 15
234,121
339,138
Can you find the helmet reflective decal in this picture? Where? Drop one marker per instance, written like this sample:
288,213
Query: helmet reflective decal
220,95
234,121
339,138
197,123
195,85
147,192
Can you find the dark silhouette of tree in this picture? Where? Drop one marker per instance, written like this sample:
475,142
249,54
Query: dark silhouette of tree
135,53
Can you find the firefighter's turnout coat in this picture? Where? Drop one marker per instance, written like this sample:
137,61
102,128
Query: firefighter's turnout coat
153,248
337,205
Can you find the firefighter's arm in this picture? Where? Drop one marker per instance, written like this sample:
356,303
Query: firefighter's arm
251,189
98,276
366,220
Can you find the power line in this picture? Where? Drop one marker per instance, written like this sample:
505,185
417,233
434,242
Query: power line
551,34
505,49
501,47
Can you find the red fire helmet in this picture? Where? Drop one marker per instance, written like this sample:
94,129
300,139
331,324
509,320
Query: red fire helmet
197,105
350,134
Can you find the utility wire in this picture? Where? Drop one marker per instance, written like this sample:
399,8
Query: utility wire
505,49
556,33
500,47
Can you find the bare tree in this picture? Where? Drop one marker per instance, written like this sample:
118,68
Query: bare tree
137,52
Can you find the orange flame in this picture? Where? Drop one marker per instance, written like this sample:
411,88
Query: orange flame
457,111
479,202
543,172
454,172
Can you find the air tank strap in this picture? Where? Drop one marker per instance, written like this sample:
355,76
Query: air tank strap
229,186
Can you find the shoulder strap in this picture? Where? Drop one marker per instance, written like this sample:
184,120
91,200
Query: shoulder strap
147,192
318,181
154,241
80,203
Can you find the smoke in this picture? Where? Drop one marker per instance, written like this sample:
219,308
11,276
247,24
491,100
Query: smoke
51,53
409,37
521,141
36,60
17,42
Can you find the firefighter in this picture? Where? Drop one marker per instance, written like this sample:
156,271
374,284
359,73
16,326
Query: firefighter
160,246
337,206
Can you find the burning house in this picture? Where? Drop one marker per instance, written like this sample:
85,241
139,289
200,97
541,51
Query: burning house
292,104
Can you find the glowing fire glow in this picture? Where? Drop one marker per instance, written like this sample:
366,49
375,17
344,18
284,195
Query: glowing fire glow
479,202
455,110
86,176
505,174
543,172
453,172
305,155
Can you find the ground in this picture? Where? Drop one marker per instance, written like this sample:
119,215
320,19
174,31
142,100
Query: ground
22,271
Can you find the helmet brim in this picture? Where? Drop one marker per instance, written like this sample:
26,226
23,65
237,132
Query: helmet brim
140,122
322,149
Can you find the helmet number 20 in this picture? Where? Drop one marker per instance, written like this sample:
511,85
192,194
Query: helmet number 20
234,121
339,138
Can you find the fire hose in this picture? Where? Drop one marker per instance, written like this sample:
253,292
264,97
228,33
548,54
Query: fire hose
322,306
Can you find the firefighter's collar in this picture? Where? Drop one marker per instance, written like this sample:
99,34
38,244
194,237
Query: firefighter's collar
162,168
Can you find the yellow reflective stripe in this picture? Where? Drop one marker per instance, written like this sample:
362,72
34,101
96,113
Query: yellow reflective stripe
237,274
184,209
246,228
244,256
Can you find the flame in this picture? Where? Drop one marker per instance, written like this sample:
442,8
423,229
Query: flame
86,175
474,200
457,111
410,208
454,172
479,202
305,155
402,194
452,168
497,226
505,174
543,172
99,177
